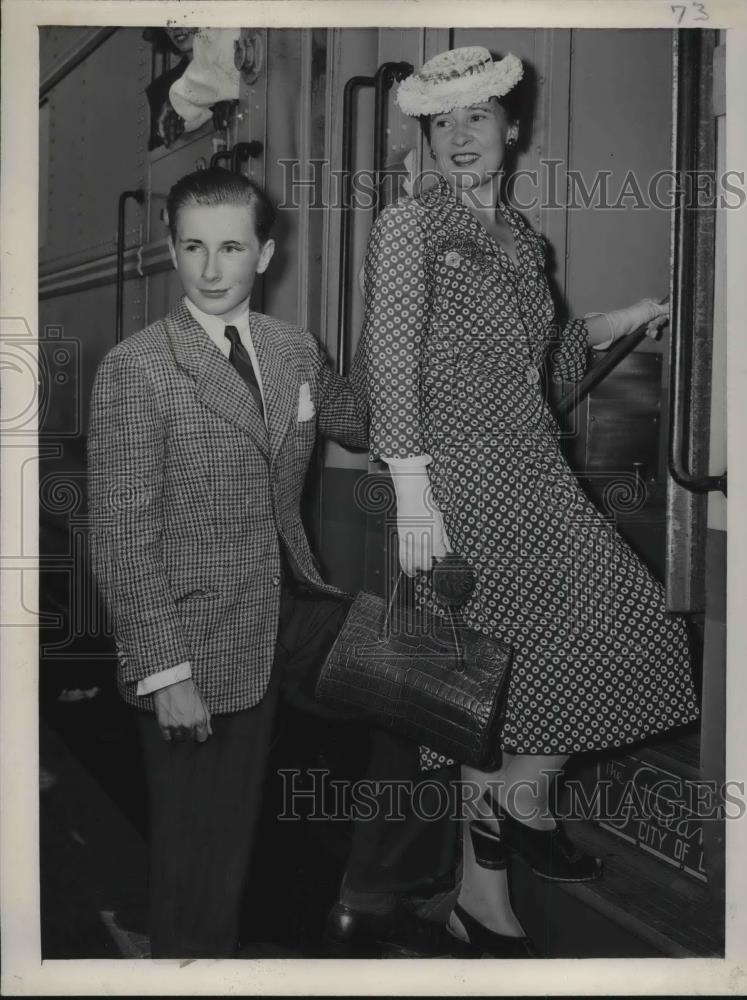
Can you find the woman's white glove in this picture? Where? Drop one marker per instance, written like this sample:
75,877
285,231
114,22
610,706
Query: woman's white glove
420,527
620,322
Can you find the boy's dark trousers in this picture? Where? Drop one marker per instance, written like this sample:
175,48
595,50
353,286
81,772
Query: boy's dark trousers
205,800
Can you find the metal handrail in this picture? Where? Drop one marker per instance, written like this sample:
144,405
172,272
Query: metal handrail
685,226
601,370
348,94
217,158
386,75
381,81
137,195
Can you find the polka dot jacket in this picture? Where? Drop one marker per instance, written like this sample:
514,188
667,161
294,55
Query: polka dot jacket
455,334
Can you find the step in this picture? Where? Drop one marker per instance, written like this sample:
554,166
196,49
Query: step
648,798
680,756
676,914
638,909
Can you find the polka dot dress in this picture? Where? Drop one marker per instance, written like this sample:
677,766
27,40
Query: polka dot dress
455,336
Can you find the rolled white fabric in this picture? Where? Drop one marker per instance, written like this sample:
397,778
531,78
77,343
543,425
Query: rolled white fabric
210,77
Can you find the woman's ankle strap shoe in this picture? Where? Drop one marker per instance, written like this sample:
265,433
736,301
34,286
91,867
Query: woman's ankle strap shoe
490,850
551,853
482,941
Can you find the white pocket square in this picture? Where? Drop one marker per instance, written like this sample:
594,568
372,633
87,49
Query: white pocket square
306,409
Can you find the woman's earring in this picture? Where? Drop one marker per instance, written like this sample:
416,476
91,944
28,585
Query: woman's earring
512,137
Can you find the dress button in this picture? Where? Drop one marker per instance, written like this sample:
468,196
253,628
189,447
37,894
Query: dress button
453,259
276,581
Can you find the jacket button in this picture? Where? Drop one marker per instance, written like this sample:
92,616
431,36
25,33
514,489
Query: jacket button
276,581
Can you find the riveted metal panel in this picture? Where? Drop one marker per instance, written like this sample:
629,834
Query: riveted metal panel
57,43
286,142
97,140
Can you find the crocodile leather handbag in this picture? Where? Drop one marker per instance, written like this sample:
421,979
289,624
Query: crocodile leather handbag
426,677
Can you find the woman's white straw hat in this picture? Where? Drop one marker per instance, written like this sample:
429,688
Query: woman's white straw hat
456,79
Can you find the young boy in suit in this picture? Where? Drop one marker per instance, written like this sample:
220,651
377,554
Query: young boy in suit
201,430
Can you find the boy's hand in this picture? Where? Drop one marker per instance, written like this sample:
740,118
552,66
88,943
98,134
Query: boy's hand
181,713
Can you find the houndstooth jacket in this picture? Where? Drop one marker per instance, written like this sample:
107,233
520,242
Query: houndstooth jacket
190,495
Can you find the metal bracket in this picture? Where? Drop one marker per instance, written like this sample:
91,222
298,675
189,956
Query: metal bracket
244,151
248,56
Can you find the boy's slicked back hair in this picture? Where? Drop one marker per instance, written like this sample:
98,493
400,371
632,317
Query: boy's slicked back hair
218,186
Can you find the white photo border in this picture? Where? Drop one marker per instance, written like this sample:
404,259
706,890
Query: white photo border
23,973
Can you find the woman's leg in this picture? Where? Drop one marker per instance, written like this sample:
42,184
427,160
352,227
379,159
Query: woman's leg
522,786
484,891
519,793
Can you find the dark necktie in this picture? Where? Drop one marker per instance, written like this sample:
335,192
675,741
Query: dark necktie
241,361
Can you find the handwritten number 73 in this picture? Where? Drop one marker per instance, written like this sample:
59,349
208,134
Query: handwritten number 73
681,9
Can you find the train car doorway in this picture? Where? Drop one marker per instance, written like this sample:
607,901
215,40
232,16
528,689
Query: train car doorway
615,114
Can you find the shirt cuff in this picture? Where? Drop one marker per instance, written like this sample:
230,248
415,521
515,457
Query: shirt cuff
164,678
413,462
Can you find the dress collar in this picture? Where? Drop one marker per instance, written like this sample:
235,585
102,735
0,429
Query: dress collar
444,195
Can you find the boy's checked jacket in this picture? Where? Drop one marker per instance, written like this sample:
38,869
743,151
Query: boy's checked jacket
189,493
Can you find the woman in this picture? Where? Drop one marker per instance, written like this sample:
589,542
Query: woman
458,329
165,125
184,97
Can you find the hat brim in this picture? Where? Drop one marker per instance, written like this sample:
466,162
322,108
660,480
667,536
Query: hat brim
416,96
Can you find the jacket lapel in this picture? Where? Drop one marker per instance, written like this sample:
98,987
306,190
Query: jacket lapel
279,366
218,385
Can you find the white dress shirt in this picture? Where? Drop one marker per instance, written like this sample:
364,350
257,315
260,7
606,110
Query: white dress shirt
214,327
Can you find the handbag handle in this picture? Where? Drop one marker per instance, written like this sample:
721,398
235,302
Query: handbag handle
449,615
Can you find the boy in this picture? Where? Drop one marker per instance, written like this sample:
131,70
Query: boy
201,430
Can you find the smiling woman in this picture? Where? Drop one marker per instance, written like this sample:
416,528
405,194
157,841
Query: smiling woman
471,137
469,146
459,324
